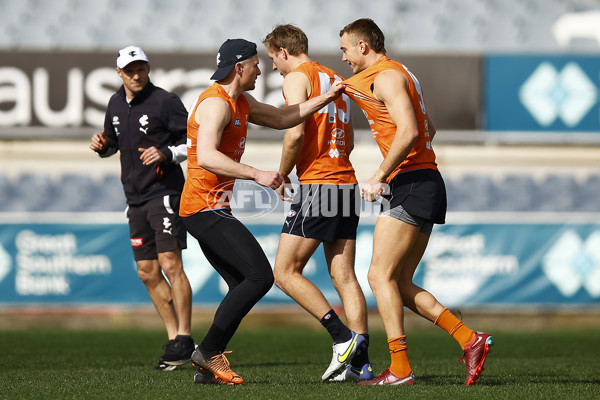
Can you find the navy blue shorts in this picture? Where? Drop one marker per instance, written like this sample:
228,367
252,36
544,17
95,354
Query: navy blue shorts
421,193
325,212
155,227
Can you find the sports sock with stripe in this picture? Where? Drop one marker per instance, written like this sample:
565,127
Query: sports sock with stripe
400,365
336,328
459,331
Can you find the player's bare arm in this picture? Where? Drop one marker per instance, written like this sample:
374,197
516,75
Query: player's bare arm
296,89
212,116
286,117
390,87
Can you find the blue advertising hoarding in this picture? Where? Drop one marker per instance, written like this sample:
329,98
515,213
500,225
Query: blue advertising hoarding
558,93
467,264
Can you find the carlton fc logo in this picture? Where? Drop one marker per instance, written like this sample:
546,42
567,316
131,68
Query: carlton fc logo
237,123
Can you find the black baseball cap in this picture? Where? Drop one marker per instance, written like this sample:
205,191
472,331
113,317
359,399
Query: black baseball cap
230,53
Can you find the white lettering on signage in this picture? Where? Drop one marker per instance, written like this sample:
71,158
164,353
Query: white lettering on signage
462,261
18,91
45,262
24,98
71,114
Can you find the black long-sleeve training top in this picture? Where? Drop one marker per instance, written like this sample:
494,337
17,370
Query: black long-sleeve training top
154,117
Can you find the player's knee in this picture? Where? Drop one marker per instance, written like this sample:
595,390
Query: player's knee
172,269
279,283
372,283
171,265
285,275
280,278
343,278
269,281
262,284
148,276
374,278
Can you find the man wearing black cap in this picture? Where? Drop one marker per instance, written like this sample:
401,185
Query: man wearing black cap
217,129
148,126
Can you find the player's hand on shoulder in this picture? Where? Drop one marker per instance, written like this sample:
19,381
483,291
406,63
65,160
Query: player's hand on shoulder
336,89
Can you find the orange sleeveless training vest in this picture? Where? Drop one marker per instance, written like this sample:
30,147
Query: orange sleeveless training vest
359,88
204,190
325,157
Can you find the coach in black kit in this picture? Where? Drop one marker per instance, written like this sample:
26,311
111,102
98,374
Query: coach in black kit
148,125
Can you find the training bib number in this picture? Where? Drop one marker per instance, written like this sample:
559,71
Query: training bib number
331,109
419,91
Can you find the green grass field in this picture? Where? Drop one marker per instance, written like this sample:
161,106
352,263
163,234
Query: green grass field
288,363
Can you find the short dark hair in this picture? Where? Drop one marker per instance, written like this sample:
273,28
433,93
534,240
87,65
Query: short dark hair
366,29
288,36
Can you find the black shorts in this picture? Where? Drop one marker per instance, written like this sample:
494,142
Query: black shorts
325,212
155,227
421,193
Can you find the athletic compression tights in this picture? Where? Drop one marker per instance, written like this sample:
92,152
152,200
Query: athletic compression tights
236,255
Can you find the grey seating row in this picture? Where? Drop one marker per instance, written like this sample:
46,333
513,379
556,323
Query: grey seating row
201,25
472,192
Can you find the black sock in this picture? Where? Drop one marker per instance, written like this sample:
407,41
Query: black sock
362,358
336,328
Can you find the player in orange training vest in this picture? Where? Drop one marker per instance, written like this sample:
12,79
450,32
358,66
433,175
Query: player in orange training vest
320,149
217,128
414,199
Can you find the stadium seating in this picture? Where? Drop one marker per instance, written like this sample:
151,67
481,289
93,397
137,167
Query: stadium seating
31,192
557,193
196,25
587,197
73,192
458,200
109,195
6,191
36,192
474,192
516,193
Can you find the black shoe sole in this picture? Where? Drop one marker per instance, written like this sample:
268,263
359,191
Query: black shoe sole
177,362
